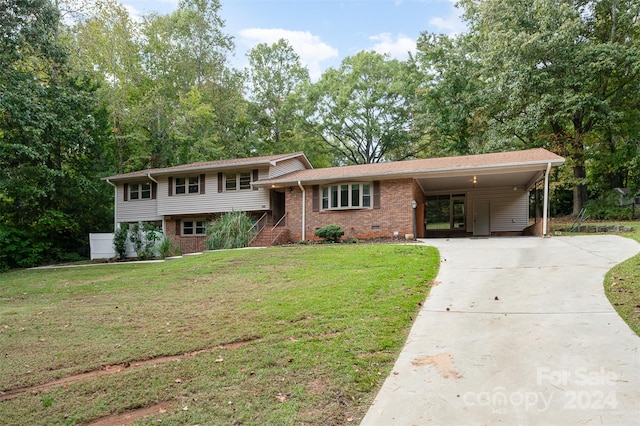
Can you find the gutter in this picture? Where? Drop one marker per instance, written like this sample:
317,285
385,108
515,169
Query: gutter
546,200
152,179
304,208
115,204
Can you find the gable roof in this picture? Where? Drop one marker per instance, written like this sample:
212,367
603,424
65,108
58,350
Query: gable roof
266,160
536,158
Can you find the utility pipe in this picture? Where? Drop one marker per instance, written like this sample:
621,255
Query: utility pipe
304,209
545,204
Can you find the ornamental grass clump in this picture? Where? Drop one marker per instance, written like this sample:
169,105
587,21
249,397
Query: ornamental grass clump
231,230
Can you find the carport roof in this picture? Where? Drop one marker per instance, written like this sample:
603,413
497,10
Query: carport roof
522,167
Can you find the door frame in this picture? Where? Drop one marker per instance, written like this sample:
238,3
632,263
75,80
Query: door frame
481,218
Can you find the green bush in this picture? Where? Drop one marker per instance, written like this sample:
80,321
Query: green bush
231,230
607,208
330,233
19,249
120,240
144,236
167,248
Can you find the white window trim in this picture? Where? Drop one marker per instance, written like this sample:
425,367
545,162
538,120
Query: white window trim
350,205
237,179
186,185
194,222
139,191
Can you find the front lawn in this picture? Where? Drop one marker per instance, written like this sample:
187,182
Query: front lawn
294,335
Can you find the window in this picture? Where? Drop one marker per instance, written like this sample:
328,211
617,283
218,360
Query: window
187,185
235,181
445,212
140,191
194,227
346,196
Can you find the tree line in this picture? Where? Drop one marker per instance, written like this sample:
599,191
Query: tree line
88,91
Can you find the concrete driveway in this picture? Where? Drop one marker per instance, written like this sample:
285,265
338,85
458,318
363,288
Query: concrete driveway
518,331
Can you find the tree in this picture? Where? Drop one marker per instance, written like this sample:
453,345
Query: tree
363,110
450,96
275,74
560,73
106,46
51,134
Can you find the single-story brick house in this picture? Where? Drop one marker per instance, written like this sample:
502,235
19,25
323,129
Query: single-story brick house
474,195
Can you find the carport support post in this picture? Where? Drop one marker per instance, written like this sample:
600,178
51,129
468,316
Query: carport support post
545,203
414,205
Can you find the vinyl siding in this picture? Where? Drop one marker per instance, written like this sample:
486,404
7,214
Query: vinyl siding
136,210
284,167
211,201
509,209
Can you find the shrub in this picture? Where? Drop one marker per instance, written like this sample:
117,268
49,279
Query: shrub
144,236
231,230
120,240
607,208
19,249
330,233
167,248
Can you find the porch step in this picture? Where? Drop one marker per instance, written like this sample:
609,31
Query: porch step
263,239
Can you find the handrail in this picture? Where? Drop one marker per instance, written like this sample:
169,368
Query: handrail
259,226
274,239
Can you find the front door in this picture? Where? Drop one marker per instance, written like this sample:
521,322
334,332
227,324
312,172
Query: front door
278,206
481,219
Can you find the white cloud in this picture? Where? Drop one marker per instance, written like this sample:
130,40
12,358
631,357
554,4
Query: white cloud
452,24
397,48
309,47
134,13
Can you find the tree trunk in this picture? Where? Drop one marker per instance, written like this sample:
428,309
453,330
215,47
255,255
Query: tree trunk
580,189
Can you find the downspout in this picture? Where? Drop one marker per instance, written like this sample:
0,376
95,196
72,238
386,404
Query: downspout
545,204
164,224
115,205
304,209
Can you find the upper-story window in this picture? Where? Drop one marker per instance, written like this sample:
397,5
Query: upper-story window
346,196
188,185
235,181
139,191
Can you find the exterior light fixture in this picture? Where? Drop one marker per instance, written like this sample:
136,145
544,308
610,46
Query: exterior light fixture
475,179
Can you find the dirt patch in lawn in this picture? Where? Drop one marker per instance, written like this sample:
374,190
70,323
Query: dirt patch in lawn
117,368
130,416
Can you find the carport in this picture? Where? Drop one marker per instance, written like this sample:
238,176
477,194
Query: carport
483,195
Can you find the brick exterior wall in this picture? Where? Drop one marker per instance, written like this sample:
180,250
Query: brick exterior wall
394,215
188,244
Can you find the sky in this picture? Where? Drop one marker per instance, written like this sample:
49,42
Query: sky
324,32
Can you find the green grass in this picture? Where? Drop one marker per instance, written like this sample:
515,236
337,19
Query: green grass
323,326
622,283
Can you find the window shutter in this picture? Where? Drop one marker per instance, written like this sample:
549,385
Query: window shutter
219,181
154,190
376,194
170,186
126,192
178,227
315,198
255,178
202,176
